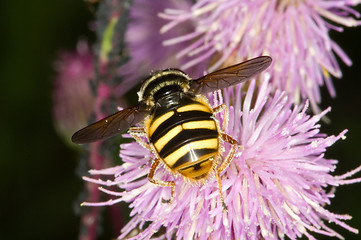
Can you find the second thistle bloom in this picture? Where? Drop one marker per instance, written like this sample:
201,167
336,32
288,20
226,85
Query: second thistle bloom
294,33
275,187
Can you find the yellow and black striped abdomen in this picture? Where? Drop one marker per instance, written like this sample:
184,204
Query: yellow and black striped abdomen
185,137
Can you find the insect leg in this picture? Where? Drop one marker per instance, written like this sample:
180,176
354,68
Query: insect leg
161,183
220,108
137,133
225,163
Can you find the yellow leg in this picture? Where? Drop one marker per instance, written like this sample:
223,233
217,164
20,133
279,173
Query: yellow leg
161,183
220,108
137,133
225,163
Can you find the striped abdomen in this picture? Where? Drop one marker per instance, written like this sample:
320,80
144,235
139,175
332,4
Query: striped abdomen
185,137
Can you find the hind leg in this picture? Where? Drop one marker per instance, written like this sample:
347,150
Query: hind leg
161,183
225,164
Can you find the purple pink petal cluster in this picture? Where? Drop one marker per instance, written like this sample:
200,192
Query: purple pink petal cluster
276,186
294,33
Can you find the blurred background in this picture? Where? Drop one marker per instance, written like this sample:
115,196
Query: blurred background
39,186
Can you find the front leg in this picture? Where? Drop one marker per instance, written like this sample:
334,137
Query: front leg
137,133
217,110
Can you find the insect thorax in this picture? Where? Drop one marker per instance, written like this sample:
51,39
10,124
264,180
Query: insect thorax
163,83
185,136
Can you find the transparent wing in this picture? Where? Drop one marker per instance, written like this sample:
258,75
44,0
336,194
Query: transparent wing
232,75
111,125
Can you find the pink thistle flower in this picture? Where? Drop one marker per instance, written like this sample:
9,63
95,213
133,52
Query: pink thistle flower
72,98
274,188
294,33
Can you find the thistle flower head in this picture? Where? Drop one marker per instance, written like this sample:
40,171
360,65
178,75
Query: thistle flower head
72,98
274,187
294,33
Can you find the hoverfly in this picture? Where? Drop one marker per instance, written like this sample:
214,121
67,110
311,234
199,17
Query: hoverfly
179,123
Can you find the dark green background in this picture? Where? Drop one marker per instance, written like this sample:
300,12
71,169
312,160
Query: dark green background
38,183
